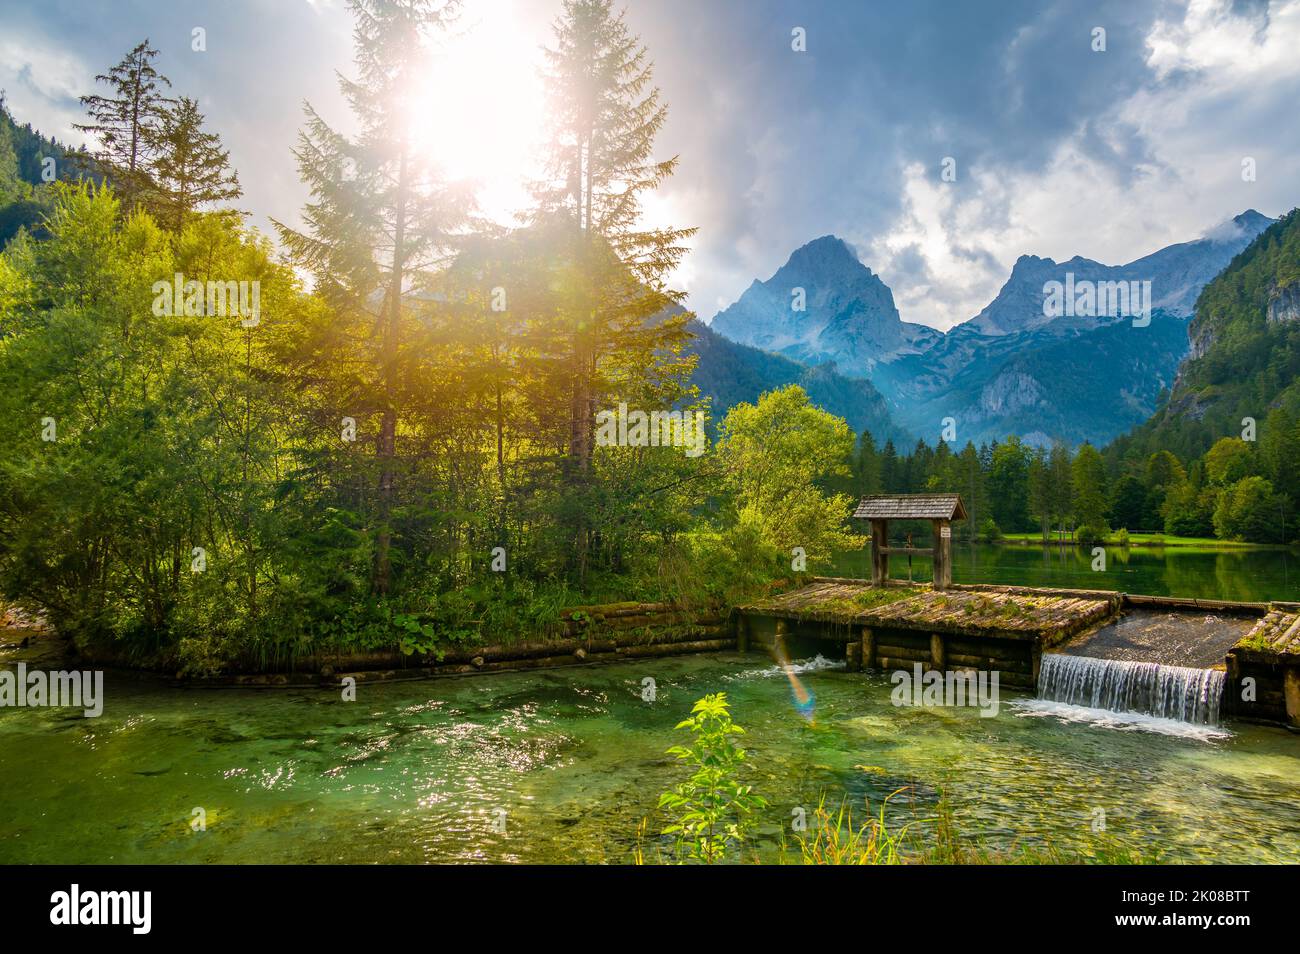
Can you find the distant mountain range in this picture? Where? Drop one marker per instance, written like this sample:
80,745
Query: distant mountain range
1011,369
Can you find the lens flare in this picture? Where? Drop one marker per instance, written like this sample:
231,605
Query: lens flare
804,702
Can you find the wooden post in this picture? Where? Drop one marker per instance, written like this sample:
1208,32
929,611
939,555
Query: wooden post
938,654
853,656
1231,685
879,558
942,554
1291,694
868,648
742,633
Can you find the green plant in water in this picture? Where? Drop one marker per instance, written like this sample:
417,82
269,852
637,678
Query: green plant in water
712,806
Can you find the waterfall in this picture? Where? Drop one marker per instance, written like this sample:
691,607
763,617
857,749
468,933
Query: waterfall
1166,692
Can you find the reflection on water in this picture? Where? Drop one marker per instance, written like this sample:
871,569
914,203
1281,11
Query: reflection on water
1249,575
575,759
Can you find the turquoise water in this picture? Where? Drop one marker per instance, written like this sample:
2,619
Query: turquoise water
419,772
1250,575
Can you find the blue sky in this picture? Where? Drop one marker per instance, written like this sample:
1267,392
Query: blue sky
1059,149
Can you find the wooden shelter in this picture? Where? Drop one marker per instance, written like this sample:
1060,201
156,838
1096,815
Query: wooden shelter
939,509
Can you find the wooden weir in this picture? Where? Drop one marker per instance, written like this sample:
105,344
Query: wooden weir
999,628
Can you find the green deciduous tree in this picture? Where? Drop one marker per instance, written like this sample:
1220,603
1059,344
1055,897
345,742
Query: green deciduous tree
1008,486
1089,474
1229,460
776,456
1248,510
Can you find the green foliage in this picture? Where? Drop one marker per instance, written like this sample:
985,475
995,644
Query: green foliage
127,122
1229,460
1089,474
990,532
1249,510
777,456
1008,485
711,808
1249,364
191,169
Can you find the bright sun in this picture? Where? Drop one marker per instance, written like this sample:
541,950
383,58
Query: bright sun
479,111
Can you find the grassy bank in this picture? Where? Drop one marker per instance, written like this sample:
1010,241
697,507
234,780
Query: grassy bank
1149,540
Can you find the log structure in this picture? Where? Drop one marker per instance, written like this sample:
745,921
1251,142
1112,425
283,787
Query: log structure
999,628
1263,678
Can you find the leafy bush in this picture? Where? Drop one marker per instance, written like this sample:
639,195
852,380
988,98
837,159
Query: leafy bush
712,806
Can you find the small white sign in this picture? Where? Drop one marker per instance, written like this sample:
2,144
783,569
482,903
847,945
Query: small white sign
945,532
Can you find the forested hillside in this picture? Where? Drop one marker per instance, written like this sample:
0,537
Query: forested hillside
24,174
729,373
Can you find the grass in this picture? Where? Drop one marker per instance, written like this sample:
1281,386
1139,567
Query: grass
1153,540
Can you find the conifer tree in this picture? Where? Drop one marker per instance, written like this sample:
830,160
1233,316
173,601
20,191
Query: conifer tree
128,120
191,168
380,221
605,115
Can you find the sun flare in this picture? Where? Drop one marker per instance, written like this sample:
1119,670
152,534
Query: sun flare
478,109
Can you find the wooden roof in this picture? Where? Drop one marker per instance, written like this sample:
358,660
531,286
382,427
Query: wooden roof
911,507
1278,632
986,611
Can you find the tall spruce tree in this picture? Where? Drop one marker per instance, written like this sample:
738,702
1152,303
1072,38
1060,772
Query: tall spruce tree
381,221
605,115
191,168
127,121
1061,479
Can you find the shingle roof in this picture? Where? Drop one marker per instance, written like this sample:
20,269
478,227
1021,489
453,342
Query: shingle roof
911,507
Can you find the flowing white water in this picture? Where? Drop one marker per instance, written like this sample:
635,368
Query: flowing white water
816,664
1176,693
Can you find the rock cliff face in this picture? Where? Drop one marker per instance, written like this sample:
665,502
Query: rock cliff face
1284,303
1243,338
824,305
1011,369
1010,392
1201,339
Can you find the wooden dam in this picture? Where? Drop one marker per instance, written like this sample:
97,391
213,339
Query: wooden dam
888,624
961,627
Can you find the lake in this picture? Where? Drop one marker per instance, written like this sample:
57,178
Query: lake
1229,574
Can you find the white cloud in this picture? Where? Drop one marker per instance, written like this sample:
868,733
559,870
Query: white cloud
42,81
1222,90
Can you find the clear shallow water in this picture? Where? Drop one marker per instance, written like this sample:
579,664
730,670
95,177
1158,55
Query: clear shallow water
1248,575
413,772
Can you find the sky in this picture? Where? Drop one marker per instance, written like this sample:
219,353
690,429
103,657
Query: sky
1059,149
